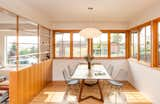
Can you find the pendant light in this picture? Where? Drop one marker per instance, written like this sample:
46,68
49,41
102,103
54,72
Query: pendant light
90,32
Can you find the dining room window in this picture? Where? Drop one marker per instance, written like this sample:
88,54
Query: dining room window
134,44
80,45
145,44
118,44
100,45
62,44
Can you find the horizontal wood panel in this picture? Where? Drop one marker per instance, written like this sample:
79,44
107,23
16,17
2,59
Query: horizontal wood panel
28,82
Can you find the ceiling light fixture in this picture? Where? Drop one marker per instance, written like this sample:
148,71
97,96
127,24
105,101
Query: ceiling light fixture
90,32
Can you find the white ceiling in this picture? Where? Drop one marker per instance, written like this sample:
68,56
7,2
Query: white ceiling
104,10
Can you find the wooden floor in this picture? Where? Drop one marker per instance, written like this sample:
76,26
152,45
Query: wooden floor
54,94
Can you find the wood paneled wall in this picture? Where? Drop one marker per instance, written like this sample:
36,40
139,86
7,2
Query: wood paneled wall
28,82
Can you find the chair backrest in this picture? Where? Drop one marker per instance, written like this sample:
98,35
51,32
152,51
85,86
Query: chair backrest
65,75
110,69
121,71
70,70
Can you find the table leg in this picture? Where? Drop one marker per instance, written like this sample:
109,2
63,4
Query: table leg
81,90
100,90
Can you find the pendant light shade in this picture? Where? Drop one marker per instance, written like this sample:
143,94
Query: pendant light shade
90,33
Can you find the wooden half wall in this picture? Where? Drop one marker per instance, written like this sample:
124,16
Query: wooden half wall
28,82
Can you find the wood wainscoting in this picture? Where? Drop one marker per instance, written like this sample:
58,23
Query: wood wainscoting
28,82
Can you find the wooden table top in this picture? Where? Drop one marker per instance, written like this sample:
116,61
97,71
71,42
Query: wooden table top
96,72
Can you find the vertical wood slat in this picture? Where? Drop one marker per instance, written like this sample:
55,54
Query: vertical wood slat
27,83
13,88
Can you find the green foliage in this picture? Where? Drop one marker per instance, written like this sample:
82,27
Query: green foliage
116,38
24,52
12,51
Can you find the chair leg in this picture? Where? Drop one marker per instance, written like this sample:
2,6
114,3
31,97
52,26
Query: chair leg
115,96
66,92
117,93
110,92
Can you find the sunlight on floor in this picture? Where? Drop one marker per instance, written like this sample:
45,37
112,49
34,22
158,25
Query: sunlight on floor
135,97
54,96
59,97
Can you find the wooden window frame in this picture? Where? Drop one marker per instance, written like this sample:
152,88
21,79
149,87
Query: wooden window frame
156,55
132,32
101,49
138,29
71,46
72,42
90,44
139,59
154,42
125,56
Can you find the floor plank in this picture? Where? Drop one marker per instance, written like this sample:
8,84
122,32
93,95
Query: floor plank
54,94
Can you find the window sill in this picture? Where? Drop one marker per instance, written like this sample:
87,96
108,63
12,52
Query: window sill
140,62
145,64
93,58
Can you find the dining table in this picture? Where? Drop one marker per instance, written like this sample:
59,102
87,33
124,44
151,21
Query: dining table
96,72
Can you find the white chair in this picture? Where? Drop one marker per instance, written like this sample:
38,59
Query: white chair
116,85
72,69
69,82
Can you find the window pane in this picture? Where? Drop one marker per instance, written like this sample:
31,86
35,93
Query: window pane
79,45
28,42
62,44
148,43
11,50
134,44
8,39
142,44
44,34
118,44
96,47
66,45
100,46
59,45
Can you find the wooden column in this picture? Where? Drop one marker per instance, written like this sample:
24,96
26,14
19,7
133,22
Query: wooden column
154,47
109,45
138,56
90,47
128,42
53,43
71,44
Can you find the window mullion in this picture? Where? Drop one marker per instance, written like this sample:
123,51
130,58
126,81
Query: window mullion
71,44
109,47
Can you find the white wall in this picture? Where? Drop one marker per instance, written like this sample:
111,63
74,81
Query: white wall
146,15
60,64
146,80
